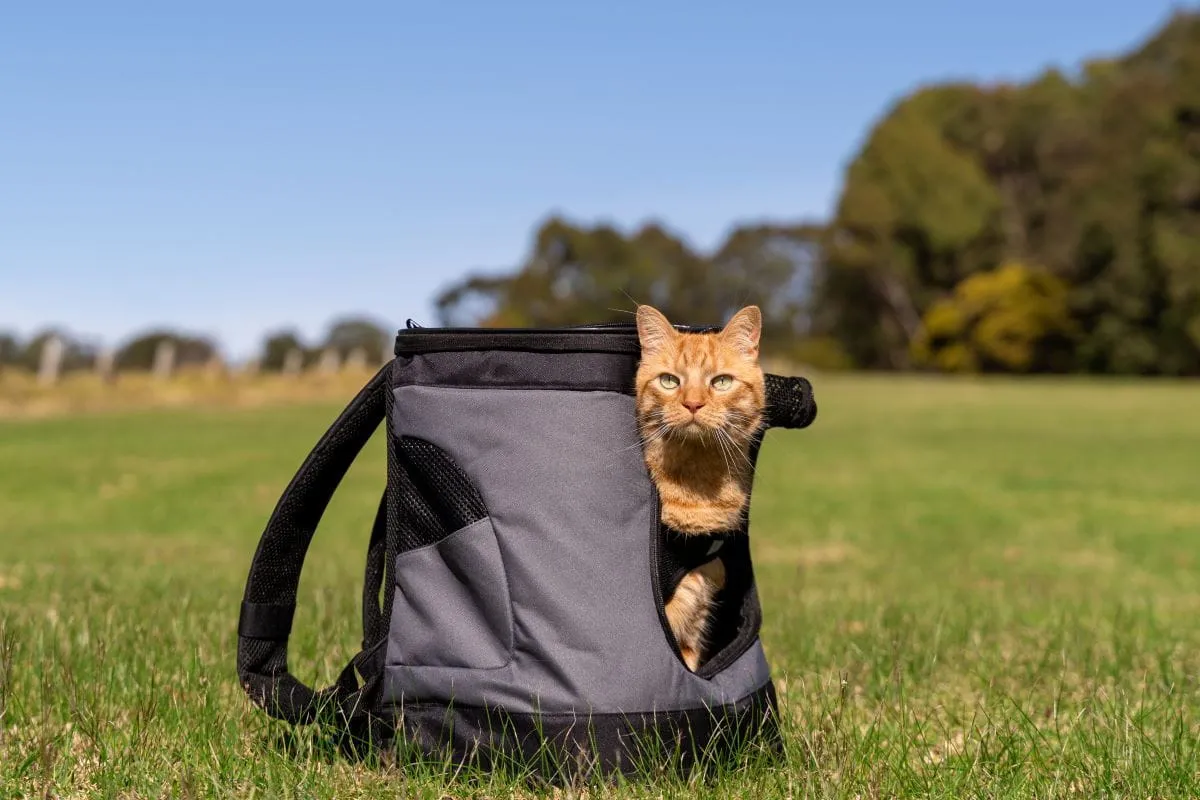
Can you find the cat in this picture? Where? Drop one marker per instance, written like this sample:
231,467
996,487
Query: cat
700,401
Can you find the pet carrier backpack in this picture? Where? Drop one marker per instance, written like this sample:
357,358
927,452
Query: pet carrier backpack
522,565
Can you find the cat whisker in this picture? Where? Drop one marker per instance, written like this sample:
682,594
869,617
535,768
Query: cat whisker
724,450
728,441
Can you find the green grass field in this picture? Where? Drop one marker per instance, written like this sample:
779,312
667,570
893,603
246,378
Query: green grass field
971,589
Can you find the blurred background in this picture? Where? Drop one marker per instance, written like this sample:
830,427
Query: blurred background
274,189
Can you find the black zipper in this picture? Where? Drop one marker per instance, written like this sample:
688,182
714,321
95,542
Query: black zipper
655,560
602,337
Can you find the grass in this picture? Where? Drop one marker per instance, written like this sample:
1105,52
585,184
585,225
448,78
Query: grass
971,589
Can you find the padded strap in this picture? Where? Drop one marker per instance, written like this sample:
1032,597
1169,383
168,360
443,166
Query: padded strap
790,402
372,611
269,602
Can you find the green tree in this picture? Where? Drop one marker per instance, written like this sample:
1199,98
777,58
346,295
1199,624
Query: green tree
10,349
1096,179
575,274
353,333
276,347
77,355
139,352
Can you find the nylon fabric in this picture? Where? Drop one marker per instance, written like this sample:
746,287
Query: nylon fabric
573,519
452,606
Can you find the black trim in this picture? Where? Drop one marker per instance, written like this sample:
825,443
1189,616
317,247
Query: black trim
616,337
737,618
584,371
560,747
656,585
266,620
422,340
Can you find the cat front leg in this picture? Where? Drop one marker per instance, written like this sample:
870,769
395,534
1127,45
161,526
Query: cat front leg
690,609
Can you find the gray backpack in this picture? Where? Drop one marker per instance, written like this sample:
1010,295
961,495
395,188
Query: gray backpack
522,565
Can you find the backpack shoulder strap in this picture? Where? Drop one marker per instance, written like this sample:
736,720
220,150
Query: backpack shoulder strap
269,603
790,402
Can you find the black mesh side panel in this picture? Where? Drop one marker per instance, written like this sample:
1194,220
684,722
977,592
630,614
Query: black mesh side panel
436,498
454,498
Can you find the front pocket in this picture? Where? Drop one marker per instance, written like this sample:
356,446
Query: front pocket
452,606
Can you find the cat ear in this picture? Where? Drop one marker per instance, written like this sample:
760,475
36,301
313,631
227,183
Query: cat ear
654,330
743,330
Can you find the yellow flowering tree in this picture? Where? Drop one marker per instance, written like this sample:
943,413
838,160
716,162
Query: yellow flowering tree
1010,319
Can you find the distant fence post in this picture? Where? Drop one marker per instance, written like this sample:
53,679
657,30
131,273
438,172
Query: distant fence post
164,359
106,361
329,361
292,362
357,360
214,368
51,361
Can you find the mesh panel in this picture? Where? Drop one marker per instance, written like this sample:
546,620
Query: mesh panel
790,402
436,497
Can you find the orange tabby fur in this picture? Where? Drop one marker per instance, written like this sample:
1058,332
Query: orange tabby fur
697,438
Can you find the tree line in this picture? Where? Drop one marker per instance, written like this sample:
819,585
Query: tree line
345,336
1050,226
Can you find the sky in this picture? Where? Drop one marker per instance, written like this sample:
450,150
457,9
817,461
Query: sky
227,169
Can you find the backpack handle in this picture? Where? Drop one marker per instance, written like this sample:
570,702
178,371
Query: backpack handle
269,602
790,402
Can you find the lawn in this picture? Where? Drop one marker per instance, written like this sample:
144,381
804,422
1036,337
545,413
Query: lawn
983,588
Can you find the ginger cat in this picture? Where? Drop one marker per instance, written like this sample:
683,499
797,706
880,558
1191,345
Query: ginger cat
700,402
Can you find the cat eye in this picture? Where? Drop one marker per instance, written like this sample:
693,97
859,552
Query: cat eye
668,381
722,382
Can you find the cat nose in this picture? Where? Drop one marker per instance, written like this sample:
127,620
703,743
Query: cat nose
693,405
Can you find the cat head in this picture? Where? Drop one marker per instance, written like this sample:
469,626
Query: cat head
694,384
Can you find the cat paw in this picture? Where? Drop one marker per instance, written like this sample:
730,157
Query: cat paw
714,572
691,658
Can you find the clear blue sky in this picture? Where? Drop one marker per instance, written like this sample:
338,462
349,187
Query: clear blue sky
236,167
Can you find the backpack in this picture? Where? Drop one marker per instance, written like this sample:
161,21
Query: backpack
512,608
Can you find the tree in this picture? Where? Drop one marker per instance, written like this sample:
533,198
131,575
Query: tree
276,348
353,333
1096,179
139,352
10,349
1012,319
76,354
576,274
